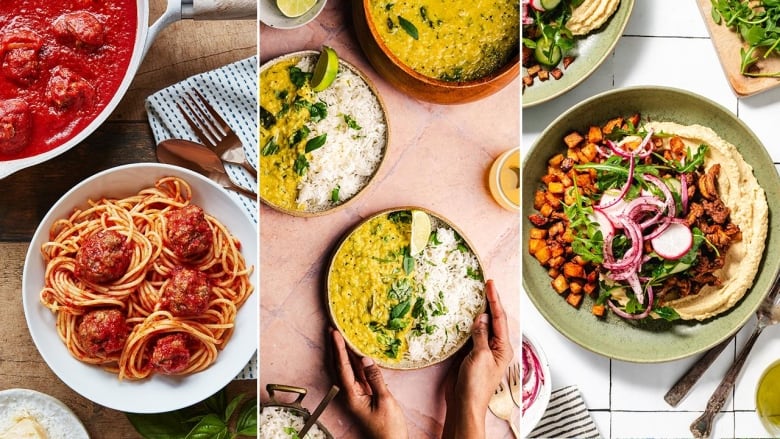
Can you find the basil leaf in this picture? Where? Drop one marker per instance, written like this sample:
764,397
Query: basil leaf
401,309
231,407
397,324
316,142
247,420
408,27
301,165
171,425
418,309
210,427
299,135
408,262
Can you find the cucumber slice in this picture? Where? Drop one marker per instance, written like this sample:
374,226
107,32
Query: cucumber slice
544,55
550,4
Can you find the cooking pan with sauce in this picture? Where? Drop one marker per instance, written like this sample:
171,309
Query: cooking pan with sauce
28,62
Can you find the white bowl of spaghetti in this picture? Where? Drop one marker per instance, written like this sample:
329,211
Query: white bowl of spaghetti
221,333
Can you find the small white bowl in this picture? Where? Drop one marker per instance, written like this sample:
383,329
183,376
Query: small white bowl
270,15
536,410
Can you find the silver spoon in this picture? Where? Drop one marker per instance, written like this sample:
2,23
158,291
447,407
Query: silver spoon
334,389
200,159
768,314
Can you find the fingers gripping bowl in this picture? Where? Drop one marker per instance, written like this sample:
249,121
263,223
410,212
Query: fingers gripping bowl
146,394
403,304
650,340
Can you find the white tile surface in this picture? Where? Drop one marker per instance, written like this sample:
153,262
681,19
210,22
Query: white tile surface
665,43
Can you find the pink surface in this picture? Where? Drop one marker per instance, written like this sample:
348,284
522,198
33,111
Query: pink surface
438,158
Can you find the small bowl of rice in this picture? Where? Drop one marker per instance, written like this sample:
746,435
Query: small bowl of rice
279,420
318,149
404,310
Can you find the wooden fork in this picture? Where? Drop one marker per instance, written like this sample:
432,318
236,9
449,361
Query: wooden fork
501,405
212,130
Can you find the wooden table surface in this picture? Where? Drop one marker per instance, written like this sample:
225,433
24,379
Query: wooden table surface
183,49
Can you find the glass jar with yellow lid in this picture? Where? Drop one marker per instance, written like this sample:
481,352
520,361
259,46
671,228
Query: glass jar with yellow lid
504,180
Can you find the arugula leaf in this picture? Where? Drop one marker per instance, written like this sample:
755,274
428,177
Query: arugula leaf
667,313
410,28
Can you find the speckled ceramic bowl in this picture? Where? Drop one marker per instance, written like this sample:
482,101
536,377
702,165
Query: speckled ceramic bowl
614,337
591,51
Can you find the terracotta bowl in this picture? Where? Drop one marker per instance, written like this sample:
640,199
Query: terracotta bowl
415,84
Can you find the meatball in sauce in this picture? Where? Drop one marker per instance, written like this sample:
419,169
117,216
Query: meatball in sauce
171,353
189,233
187,292
21,61
15,125
68,89
104,256
103,331
79,29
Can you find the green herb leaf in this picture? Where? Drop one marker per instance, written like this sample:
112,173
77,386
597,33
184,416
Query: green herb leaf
267,119
401,309
408,262
298,77
667,313
474,273
410,28
293,433
246,424
299,135
209,427
334,194
397,324
316,142
318,111
351,122
170,425
392,348
270,148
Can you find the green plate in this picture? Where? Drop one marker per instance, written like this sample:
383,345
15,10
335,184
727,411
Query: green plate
614,337
590,51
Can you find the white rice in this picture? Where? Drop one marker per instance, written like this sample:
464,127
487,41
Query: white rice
349,156
282,423
445,268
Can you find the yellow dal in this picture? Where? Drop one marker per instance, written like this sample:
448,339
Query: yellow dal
458,40
360,279
278,180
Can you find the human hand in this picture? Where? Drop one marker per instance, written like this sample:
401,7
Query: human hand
367,395
472,381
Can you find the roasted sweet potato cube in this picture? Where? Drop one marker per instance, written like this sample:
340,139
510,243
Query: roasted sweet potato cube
593,277
571,269
533,70
556,248
568,236
534,245
555,161
574,300
589,151
539,199
573,139
574,154
590,289
546,210
560,284
575,287
579,261
550,178
598,310
535,233
583,180
612,124
595,135
553,272
556,261
634,119
555,229
543,254
569,197
566,181
543,75
528,81
555,187
552,199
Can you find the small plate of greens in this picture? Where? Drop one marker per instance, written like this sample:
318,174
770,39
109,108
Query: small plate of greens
642,338
588,52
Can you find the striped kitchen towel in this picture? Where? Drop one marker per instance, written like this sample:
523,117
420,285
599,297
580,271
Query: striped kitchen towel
232,90
566,417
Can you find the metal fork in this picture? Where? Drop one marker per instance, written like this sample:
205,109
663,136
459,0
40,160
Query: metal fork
513,378
212,130
501,404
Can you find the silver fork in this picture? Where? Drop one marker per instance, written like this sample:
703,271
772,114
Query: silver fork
212,130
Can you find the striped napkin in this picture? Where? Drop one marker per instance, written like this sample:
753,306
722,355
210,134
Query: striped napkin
232,91
566,417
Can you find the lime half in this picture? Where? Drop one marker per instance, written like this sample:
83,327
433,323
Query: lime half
421,231
326,69
294,8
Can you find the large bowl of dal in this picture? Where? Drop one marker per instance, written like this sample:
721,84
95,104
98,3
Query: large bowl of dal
438,51
318,150
405,311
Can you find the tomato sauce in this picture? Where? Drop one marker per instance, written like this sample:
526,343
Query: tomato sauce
65,59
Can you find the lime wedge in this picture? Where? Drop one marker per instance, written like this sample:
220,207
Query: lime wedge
325,70
421,231
294,8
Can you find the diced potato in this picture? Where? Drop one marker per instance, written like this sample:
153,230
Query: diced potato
539,199
553,199
534,245
568,236
555,187
573,153
598,310
546,210
556,160
543,254
555,229
595,135
566,181
634,119
590,151
553,272
556,261
583,180
573,139
550,178
535,233
590,289
570,269
556,248
575,287
560,284
574,300
612,124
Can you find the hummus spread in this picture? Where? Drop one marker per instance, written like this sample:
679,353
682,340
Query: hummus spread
739,190
591,15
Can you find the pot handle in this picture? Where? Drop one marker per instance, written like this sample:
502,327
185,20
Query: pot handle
273,388
173,13
219,9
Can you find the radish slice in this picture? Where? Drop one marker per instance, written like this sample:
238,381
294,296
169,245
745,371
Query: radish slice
605,225
612,204
537,4
674,242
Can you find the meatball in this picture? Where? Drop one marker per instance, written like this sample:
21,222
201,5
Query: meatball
68,89
171,353
21,62
15,125
189,234
79,29
187,292
103,257
103,331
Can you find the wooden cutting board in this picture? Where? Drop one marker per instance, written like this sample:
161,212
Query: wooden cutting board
727,44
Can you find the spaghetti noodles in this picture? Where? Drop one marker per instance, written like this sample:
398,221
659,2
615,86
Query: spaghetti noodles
173,307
